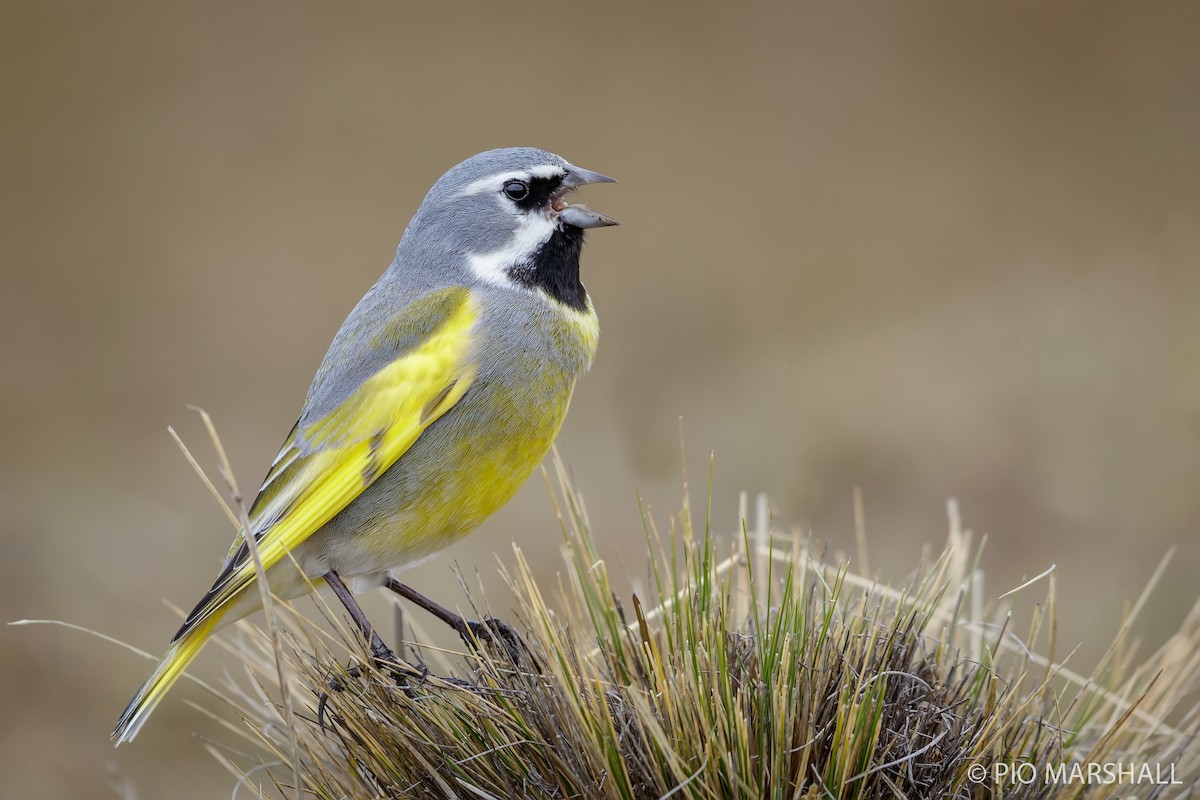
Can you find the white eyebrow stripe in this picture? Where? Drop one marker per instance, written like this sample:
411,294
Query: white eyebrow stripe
532,232
494,182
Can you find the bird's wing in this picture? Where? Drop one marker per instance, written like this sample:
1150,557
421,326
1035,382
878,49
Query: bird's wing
328,461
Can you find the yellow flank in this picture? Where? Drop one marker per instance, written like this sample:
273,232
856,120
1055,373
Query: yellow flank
457,501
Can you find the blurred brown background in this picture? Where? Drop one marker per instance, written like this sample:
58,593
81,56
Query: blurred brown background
931,249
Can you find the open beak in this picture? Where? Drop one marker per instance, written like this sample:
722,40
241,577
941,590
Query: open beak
580,216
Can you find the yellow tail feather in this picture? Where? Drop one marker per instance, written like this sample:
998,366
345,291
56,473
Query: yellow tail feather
170,668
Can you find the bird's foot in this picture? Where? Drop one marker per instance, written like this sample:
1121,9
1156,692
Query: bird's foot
494,631
385,658
488,631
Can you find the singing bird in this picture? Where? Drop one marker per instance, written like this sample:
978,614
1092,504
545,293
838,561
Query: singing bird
439,395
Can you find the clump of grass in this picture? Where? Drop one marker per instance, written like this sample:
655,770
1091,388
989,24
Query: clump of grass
753,668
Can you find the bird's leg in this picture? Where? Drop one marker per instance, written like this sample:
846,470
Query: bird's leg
467,630
379,651
447,616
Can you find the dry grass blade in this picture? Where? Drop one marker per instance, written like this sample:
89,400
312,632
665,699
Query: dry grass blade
264,590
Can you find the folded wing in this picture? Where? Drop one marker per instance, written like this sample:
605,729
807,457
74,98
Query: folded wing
328,461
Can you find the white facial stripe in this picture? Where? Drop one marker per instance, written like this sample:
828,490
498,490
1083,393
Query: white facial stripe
492,183
533,230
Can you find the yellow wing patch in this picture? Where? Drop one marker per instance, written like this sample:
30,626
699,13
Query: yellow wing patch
345,451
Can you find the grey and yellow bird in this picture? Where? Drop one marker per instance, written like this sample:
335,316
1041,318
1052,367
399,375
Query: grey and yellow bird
439,395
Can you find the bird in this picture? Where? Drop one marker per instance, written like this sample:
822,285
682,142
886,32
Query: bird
440,394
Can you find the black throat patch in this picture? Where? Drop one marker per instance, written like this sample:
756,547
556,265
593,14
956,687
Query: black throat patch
554,268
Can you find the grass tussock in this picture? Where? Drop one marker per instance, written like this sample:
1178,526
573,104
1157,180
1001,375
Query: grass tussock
751,668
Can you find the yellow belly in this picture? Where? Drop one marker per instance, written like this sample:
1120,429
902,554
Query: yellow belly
462,469
479,474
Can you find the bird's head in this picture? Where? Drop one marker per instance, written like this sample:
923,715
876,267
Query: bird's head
504,212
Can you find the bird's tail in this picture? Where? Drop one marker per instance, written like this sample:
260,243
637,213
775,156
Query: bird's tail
170,668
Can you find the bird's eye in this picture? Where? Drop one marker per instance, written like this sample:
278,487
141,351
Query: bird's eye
516,190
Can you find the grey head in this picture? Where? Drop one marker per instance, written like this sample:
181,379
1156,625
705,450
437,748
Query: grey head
500,217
